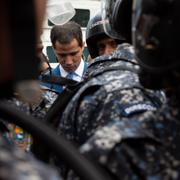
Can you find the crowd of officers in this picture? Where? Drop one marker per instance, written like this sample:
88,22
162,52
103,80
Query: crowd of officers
120,109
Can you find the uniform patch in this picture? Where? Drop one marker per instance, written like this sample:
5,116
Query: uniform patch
131,109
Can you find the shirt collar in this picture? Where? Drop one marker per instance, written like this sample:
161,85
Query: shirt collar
79,71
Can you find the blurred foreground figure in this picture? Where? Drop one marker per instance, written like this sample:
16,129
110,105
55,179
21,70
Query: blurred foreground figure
146,146
21,22
18,53
16,164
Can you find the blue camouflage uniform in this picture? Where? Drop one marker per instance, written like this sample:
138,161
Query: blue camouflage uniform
145,147
111,92
38,109
15,163
18,165
130,143
16,134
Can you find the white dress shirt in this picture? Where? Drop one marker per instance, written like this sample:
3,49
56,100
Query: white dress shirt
78,72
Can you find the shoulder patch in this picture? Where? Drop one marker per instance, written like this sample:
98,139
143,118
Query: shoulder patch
136,108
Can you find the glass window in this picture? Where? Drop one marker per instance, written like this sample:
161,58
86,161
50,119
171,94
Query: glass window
82,17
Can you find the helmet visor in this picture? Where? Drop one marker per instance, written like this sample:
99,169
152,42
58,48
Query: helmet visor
155,34
107,10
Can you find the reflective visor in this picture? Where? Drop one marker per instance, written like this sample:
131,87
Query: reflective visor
155,33
142,26
108,10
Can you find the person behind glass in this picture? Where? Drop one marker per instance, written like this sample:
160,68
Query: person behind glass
98,42
68,45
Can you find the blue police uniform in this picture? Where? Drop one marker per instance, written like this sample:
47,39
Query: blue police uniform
112,92
17,135
140,147
16,164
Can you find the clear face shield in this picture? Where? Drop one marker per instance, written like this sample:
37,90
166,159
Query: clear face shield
107,10
136,11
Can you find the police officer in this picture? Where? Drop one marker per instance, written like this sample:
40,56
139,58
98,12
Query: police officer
147,146
111,93
19,24
98,42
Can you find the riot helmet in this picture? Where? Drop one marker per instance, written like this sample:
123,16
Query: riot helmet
156,34
95,32
118,15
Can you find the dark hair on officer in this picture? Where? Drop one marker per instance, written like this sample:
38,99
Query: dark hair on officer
59,33
156,39
95,32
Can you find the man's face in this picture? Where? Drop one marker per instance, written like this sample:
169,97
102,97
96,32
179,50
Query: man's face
106,46
69,55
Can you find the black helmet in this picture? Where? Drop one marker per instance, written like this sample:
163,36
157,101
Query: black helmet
94,32
156,34
118,14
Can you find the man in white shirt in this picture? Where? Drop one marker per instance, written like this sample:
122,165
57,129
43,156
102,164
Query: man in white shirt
77,74
68,47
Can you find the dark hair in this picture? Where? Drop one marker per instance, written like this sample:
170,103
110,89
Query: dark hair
66,33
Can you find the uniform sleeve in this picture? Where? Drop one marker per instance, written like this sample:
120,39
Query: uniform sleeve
127,152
